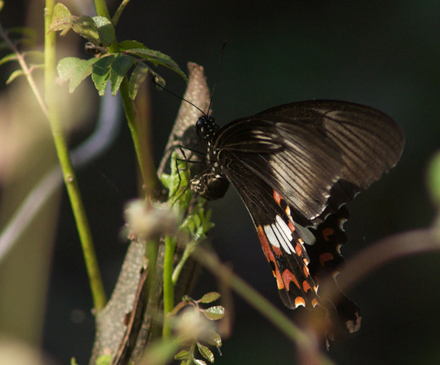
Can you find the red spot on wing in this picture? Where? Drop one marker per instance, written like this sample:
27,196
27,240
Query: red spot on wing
327,232
269,251
324,257
288,277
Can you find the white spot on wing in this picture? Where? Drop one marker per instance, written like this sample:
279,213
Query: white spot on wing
279,234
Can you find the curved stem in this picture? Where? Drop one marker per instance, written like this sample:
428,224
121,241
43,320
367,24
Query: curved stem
99,298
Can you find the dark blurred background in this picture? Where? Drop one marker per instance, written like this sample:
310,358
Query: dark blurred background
384,54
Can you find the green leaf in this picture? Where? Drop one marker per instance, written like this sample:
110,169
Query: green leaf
36,56
138,76
209,297
129,44
73,361
14,75
62,19
119,69
199,362
182,355
60,11
214,313
156,58
205,352
105,29
8,58
75,70
101,73
215,339
27,36
86,27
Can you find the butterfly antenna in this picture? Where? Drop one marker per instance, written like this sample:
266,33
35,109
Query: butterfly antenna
177,96
218,73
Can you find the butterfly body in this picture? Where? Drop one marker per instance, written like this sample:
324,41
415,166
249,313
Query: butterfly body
295,166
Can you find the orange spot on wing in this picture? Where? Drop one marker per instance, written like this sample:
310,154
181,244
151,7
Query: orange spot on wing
327,232
314,302
306,271
277,197
291,226
300,301
323,258
306,286
298,249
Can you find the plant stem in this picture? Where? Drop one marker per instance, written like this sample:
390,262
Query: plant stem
119,11
26,70
168,287
267,309
150,182
70,180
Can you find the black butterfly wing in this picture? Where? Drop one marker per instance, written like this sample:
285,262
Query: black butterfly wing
281,239
317,154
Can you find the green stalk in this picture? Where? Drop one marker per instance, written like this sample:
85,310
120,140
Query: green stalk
266,308
150,181
168,287
99,298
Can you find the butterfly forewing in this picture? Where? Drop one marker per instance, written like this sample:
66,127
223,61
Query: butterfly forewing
303,149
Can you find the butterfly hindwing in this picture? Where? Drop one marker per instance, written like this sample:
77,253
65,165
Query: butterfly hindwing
281,240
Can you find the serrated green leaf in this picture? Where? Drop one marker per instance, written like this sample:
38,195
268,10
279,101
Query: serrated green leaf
75,70
8,58
105,29
205,352
130,44
209,297
199,362
14,75
101,73
214,313
86,27
118,70
157,57
214,339
138,76
182,355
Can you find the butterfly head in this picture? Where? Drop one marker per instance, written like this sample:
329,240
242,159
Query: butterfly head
206,127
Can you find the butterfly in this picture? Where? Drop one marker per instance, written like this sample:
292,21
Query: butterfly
295,166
